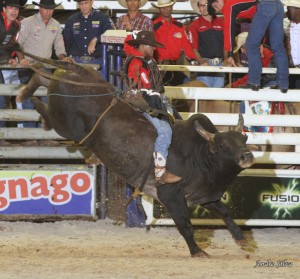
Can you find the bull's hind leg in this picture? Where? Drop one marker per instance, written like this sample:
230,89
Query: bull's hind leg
219,209
42,109
27,90
173,198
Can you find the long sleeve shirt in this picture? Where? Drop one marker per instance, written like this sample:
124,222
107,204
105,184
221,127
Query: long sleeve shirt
232,10
79,31
173,37
38,38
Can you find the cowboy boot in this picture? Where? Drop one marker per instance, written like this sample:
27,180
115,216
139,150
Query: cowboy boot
162,176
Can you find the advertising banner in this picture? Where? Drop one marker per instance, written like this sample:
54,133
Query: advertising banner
253,200
48,190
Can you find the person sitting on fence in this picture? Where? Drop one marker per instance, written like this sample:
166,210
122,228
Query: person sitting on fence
143,73
9,29
268,16
39,34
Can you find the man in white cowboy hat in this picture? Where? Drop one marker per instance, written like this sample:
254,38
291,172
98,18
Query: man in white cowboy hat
39,34
172,34
267,60
293,38
134,19
206,36
144,75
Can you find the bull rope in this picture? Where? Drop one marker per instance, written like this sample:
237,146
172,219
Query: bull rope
113,103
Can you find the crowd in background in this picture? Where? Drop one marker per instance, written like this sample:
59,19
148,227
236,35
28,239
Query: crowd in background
220,36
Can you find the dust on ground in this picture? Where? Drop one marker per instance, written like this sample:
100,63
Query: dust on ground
103,249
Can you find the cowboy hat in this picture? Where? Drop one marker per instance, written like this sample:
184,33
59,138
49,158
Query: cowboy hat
123,3
163,3
46,4
240,40
291,3
145,38
14,3
194,5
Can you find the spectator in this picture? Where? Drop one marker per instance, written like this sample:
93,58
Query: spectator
142,70
134,19
39,34
269,16
293,39
172,34
10,27
82,33
206,36
267,59
231,10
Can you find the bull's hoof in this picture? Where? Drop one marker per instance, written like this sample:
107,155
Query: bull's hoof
20,96
201,254
242,242
93,160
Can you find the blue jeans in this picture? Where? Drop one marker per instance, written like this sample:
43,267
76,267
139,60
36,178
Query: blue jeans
164,134
270,14
214,79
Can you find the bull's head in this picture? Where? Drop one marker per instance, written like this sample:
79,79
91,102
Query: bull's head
232,143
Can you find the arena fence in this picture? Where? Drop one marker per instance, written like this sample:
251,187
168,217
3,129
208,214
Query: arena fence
69,151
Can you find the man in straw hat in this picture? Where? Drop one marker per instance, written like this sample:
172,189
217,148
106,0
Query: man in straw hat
269,16
39,34
9,28
82,33
172,34
206,36
293,38
134,19
267,59
144,74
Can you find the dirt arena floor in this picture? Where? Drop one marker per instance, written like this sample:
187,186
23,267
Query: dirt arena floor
103,249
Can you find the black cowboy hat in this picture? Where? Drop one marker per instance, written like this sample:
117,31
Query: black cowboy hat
47,4
14,3
145,38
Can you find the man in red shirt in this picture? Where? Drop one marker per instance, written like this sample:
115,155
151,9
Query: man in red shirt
206,36
269,16
172,34
9,28
144,75
231,10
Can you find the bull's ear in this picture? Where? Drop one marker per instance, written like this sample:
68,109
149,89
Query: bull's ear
206,135
240,125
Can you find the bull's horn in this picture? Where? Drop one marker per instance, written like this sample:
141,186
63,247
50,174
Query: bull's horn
68,66
202,132
240,124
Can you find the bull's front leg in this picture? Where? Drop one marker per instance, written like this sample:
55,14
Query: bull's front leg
173,199
27,90
219,209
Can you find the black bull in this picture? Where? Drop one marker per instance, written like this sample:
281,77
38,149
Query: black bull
80,101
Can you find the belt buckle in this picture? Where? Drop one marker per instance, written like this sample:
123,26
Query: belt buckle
215,61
